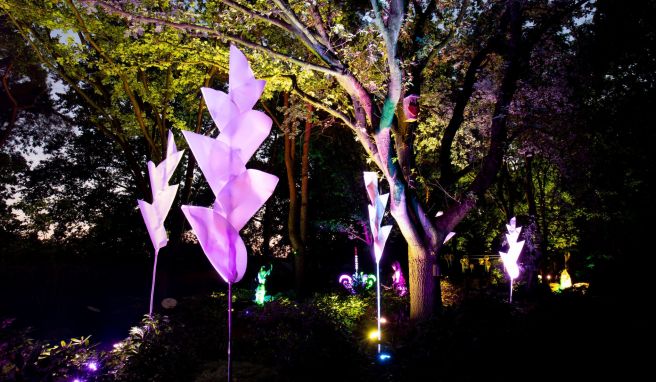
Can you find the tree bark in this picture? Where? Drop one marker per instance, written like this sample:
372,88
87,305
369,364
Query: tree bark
422,281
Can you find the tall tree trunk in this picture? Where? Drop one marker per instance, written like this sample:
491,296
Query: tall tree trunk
422,281
293,212
305,170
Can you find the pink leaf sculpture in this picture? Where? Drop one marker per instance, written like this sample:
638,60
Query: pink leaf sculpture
411,107
239,192
515,249
220,241
380,234
376,212
155,213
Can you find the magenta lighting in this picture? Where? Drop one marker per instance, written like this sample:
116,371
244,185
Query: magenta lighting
514,249
154,214
239,191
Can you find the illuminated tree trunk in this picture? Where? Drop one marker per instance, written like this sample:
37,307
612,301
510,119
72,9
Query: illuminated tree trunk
422,281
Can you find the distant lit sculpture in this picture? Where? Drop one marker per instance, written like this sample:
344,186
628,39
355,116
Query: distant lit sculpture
464,263
357,282
487,263
514,249
398,281
379,234
154,214
565,280
239,192
260,291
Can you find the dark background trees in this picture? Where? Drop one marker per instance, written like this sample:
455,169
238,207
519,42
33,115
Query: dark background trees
577,164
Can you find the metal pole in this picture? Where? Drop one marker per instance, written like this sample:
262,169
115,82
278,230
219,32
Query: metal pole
378,300
229,331
152,287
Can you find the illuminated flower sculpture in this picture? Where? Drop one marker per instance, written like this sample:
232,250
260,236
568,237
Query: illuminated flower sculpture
239,192
514,249
379,234
154,214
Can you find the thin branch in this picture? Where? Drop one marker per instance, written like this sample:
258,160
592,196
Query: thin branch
320,25
253,13
435,48
316,102
308,38
186,27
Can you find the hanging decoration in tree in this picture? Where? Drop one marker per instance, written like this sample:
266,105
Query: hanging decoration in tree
514,249
163,194
239,192
379,234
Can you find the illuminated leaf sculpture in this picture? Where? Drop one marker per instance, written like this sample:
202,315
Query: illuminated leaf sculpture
514,249
379,234
155,213
239,192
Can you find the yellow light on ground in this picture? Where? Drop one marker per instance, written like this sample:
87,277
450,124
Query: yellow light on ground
374,334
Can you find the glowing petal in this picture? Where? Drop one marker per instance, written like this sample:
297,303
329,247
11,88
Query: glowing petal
448,237
371,184
244,195
244,89
170,145
379,242
220,242
246,133
218,162
220,106
155,214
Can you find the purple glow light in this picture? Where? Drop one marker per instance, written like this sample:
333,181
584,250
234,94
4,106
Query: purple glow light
93,366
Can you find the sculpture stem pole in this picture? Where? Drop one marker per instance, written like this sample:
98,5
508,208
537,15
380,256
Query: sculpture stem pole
378,300
229,331
152,286
511,288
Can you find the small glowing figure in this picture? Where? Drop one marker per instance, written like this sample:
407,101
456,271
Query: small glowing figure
464,263
487,263
260,291
398,281
449,259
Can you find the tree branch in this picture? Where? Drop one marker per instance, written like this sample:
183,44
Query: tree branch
457,117
186,27
436,47
253,13
308,38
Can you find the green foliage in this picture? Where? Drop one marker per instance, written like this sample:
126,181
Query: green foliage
25,359
345,311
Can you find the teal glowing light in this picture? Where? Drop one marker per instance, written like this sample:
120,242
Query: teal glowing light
260,291
384,356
